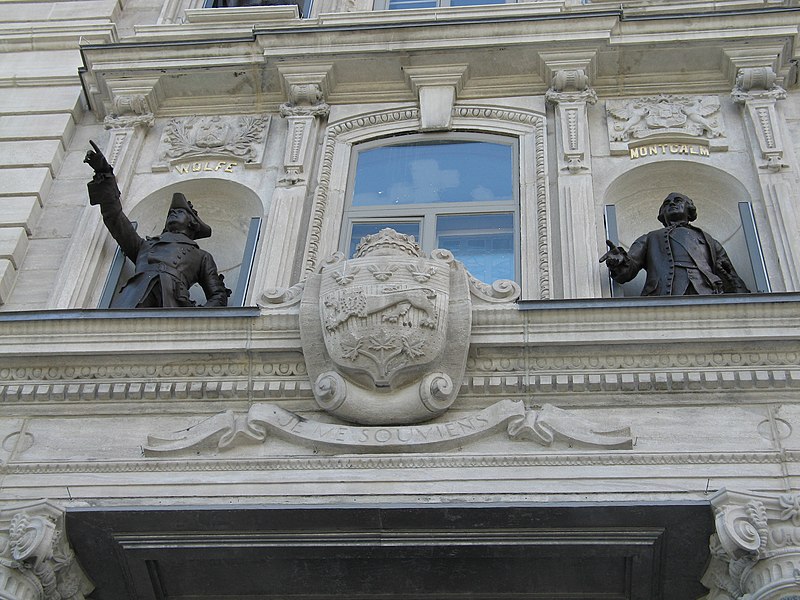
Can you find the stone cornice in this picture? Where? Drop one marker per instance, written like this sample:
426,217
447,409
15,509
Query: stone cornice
446,36
584,352
767,318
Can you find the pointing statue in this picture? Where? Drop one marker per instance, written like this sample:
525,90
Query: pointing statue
680,259
167,265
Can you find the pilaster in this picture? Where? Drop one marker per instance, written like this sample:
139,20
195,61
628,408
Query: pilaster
569,94
757,91
755,552
77,284
304,110
36,561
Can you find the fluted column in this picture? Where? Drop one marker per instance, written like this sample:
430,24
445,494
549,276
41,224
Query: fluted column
757,91
304,111
570,93
755,552
36,561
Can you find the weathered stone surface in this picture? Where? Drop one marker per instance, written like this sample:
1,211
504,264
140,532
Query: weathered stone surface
8,275
19,211
13,244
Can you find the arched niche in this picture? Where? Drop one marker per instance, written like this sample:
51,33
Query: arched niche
226,206
637,196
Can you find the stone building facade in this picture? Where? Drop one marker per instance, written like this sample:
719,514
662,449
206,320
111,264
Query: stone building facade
474,412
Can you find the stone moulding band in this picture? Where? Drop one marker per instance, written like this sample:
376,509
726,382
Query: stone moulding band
543,426
732,380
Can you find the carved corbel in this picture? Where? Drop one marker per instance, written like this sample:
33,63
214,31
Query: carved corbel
757,89
570,93
437,88
755,552
305,91
129,110
305,100
35,554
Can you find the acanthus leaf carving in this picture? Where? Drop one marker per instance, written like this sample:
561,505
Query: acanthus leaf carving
36,553
242,137
756,548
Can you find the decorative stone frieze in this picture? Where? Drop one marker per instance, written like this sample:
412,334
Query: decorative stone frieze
666,117
241,137
36,561
755,552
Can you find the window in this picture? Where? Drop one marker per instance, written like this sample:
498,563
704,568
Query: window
303,5
401,4
458,194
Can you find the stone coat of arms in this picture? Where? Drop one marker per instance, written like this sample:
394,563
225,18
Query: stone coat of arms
385,334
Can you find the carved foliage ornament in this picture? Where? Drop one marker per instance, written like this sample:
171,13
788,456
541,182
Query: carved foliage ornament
665,115
755,553
37,555
240,137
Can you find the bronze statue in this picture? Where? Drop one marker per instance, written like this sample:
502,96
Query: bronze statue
680,259
167,265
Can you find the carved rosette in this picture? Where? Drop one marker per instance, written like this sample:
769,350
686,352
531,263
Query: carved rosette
665,117
385,334
36,562
755,552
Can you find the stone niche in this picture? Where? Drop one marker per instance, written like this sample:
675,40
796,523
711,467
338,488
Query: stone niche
226,206
638,193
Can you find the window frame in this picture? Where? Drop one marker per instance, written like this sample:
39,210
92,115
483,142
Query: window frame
385,5
426,214
526,125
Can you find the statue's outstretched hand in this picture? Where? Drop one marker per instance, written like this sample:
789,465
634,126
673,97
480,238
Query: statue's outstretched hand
95,159
615,255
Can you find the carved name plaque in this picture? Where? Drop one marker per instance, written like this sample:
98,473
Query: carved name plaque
241,138
676,120
545,426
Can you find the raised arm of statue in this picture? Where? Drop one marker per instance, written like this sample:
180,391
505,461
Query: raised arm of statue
103,190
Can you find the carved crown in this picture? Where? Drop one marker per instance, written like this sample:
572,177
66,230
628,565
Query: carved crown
388,242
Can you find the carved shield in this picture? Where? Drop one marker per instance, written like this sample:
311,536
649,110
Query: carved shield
385,334
664,115
383,315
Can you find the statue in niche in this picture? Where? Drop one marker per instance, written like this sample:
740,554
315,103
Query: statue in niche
680,259
167,265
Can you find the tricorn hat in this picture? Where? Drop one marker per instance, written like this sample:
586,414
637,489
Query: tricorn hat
180,201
